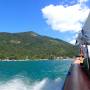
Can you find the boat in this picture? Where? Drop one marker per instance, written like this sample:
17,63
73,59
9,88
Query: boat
78,77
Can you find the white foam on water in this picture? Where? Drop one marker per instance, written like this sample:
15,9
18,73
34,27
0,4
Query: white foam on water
20,84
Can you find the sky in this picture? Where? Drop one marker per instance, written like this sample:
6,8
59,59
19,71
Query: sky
61,19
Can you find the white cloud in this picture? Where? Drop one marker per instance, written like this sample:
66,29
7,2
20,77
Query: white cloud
66,18
73,39
82,1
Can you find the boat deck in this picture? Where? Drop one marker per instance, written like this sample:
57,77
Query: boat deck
76,78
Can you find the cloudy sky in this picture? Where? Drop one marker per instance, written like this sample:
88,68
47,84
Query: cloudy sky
61,19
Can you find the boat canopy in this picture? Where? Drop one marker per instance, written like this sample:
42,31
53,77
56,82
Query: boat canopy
84,34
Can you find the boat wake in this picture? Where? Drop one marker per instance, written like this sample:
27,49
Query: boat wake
26,84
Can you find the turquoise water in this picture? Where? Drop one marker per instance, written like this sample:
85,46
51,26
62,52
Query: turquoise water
33,75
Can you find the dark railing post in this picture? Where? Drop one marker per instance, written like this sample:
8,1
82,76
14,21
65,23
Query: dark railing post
87,53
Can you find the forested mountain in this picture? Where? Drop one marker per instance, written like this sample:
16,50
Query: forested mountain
34,46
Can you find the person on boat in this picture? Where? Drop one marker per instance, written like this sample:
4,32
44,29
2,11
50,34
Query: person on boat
81,56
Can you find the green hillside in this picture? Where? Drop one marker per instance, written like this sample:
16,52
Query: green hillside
33,46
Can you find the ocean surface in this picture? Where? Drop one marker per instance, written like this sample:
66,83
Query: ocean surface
33,75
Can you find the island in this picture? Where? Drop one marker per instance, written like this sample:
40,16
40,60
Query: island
30,45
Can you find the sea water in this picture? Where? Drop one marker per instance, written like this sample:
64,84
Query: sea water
33,75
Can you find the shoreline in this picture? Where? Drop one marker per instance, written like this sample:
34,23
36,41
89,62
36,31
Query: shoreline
38,60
